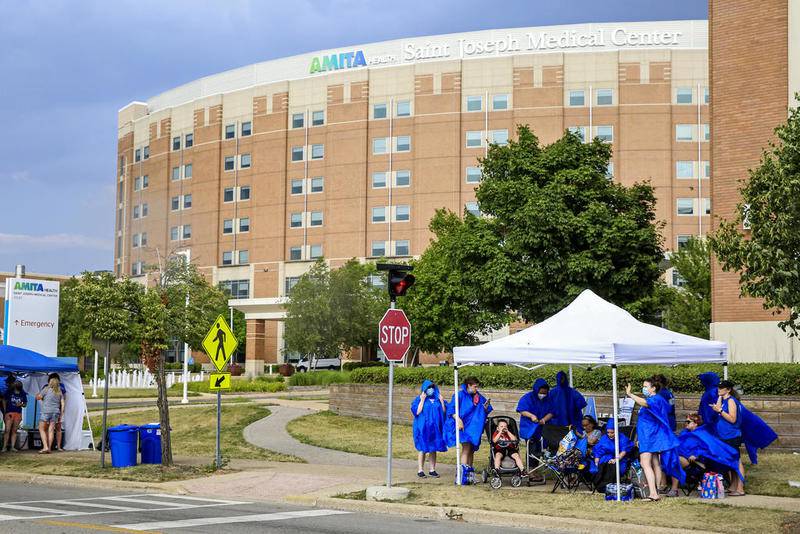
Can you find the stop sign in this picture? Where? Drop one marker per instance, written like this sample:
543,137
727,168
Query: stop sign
394,335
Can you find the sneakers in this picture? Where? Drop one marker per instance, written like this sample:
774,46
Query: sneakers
433,474
421,474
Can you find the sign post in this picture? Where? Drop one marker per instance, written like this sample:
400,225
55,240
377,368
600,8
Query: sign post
394,339
219,344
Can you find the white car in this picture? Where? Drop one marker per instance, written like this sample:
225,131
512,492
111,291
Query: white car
317,364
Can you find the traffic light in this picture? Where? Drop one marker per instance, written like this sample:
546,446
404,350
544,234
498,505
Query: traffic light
399,282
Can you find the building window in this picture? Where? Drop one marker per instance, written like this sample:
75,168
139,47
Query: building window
403,108
137,155
230,131
707,206
402,213
244,224
685,206
403,143
244,192
401,247
706,96
472,207
187,201
474,103
379,111
247,128
187,171
122,166
379,145
605,97
187,231
499,102
244,257
298,120
580,131
317,151
145,210
474,139
706,132
683,95
137,268
227,194
135,241
610,170
402,179
298,153
684,169
576,98
230,163
677,279
175,203
227,258
297,187
316,218
174,233
379,214
237,289
141,182
295,253
146,152
245,161
289,283
317,118
706,169
605,133
378,180
683,240
135,212
378,249
188,140
176,143
317,184
684,132
316,251
227,226
473,175
176,173
500,137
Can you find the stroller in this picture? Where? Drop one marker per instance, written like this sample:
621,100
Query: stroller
507,465
559,456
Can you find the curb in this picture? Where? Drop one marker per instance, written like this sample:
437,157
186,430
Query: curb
485,517
79,482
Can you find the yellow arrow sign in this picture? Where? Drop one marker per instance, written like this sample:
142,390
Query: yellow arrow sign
220,343
217,381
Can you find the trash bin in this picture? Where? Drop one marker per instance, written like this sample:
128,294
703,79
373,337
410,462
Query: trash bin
122,441
150,443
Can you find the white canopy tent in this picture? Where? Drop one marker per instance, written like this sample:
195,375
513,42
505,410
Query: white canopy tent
590,331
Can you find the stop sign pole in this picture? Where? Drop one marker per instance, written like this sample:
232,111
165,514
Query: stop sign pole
394,339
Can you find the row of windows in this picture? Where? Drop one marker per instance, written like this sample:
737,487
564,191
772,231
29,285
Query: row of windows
379,248
237,289
188,141
605,97
235,257
689,206
683,132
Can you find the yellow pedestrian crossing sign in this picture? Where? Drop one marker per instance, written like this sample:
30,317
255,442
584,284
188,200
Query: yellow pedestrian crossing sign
220,343
217,381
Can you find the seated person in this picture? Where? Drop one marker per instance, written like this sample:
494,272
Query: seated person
698,446
588,438
604,458
504,443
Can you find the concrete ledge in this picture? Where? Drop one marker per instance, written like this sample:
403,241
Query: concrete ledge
386,494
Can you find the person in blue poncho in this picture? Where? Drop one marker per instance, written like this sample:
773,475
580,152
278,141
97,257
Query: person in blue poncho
700,447
604,457
710,382
657,444
428,410
737,425
471,417
669,397
567,403
535,409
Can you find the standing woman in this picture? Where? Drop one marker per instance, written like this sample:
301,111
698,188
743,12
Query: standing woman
428,411
15,400
669,397
52,411
657,443
729,429
472,411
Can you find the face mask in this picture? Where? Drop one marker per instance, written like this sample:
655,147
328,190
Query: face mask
472,391
645,391
429,392
542,396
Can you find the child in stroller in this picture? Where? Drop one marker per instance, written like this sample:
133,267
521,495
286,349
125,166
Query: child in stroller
504,454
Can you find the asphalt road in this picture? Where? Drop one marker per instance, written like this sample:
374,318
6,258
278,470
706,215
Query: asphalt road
28,508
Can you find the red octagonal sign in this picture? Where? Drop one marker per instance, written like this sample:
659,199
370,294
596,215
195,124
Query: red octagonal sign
394,335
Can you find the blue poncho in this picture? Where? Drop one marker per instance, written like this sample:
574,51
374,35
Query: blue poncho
756,434
666,393
530,402
472,414
710,382
603,450
701,444
567,403
655,435
429,424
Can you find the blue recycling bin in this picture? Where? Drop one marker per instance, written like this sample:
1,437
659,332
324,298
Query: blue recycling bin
122,440
150,443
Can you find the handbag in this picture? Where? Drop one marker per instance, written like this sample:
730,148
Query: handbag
712,486
567,442
625,492
467,475
636,474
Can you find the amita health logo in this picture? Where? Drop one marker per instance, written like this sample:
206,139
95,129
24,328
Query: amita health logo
33,287
343,60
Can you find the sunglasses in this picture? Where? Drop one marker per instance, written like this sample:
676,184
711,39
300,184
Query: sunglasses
688,421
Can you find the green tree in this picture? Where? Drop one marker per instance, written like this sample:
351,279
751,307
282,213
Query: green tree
689,308
74,339
766,254
554,226
332,311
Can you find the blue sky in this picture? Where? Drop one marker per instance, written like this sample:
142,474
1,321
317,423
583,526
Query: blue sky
68,65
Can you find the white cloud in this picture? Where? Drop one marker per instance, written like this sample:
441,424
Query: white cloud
22,242
19,177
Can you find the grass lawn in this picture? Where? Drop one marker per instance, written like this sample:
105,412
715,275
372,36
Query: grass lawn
304,397
133,393
682,513
771,475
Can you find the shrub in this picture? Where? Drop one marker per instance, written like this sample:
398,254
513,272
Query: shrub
178,366
349,366
241,386
286,369
319,378
271,378
754,378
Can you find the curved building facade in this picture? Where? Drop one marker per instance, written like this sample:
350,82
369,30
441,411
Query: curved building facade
256,172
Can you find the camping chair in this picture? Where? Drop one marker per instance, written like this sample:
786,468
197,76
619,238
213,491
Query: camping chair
561,461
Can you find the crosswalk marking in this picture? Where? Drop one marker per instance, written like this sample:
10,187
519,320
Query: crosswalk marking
147,501
28,508
253,518
87,504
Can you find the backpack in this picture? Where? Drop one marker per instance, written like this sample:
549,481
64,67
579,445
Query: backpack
625,492
636,474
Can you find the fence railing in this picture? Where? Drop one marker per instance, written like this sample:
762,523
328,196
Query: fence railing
143,379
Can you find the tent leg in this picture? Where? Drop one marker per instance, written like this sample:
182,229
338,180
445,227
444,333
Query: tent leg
725,371
570,376
458,434
614,410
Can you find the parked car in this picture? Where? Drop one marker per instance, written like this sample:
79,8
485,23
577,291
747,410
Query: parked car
318,364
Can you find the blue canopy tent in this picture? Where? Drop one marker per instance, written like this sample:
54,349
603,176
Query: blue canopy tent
32,369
